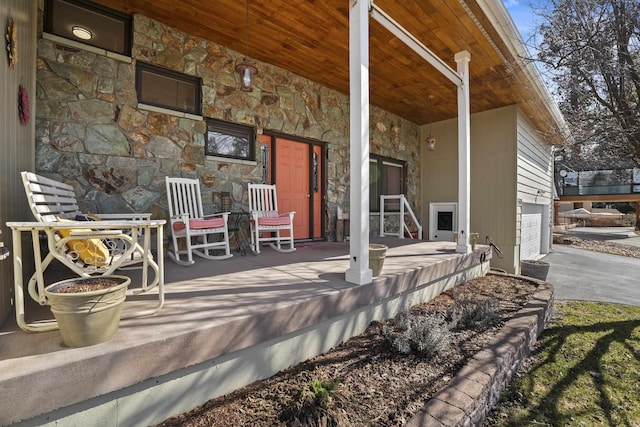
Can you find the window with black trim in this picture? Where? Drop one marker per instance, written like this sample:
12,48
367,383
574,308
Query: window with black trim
386,177
89,23
161,87
232,140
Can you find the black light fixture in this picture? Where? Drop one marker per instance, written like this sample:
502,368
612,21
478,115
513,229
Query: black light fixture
431,140
247,67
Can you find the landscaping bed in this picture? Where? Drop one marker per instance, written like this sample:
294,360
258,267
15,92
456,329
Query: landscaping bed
366,380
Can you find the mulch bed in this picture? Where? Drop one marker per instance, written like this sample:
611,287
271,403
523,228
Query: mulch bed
376,385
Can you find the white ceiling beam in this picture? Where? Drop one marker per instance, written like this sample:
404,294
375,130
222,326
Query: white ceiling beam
416,45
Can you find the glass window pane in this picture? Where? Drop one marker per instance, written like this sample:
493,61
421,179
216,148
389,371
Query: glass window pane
224,139
386,177
374,186
392,184
168,89
108,29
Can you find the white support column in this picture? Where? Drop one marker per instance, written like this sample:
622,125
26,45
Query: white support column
359,272
464,153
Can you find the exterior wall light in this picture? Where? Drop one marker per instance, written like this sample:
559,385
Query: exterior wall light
246,68
431,140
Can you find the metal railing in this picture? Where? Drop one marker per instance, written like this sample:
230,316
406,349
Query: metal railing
403,209
598,182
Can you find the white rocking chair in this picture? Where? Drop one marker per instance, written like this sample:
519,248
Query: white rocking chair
265,218
187,220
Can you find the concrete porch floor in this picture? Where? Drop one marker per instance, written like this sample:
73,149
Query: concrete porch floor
224,324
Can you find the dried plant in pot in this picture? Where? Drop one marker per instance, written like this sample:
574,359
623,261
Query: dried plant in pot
88,309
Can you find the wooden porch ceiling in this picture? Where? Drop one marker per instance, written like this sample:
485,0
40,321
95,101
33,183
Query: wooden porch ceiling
311,39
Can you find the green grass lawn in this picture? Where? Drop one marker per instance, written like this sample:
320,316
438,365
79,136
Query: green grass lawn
586,371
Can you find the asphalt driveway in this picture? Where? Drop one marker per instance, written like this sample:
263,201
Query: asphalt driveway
579,274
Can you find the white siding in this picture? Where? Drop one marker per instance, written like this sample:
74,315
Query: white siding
534,180
16,141
534,165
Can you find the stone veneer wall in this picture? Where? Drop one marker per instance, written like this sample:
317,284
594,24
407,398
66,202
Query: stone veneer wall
91,134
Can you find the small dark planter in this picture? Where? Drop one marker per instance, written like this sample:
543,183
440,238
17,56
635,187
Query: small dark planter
535,269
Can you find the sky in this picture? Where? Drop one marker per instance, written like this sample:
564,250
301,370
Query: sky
522,15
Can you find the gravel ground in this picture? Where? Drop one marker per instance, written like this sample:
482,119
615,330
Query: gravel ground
602,246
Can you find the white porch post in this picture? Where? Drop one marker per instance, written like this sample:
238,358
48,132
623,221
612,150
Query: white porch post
359,272
464,164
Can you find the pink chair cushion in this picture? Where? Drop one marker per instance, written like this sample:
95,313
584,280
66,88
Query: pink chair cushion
199,224
273,221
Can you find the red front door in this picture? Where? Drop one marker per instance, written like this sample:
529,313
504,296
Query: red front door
298,177
292,182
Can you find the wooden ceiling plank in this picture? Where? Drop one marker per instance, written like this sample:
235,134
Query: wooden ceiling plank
310,39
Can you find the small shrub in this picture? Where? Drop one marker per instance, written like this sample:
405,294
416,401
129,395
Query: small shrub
321,391
474,313
313,407
426,335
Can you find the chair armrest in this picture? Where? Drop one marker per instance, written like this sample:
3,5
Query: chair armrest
184,217
143,216
217,214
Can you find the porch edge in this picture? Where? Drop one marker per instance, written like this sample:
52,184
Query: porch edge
156,399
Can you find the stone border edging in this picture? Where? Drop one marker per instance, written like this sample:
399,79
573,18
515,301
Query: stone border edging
476,388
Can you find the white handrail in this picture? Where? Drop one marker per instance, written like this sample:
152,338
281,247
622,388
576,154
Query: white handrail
405,208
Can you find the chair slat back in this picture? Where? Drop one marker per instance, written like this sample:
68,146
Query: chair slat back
263,199
184,197
49,199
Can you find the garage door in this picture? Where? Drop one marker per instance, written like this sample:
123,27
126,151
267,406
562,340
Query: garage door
530,233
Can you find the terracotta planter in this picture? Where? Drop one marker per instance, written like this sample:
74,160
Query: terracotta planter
377,253
87,317
535,269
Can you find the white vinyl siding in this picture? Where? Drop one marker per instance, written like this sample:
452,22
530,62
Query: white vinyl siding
534,165
534,178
